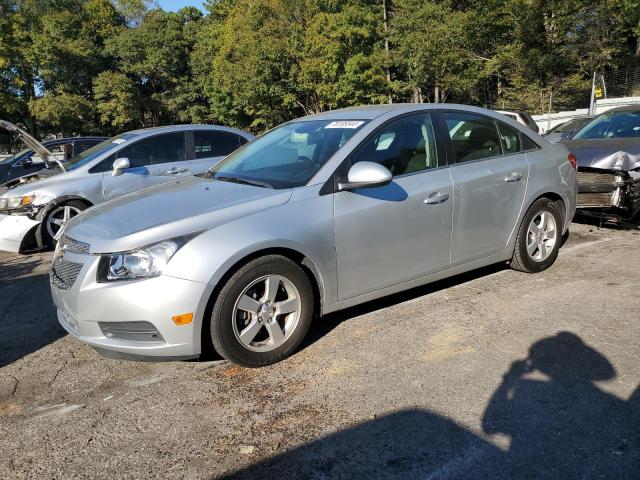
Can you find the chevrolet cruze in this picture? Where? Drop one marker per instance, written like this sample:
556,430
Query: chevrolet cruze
319,214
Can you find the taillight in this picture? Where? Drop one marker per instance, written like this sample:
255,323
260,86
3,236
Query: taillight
573,161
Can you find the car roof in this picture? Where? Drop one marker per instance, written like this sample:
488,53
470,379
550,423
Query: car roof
181,128
72,139
369,112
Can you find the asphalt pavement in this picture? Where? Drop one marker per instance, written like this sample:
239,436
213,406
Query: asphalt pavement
493,374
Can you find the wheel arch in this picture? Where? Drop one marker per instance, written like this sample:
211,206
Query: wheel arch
44,211
303,261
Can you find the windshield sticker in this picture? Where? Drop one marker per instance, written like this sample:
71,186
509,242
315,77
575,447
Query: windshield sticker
118,141
345,124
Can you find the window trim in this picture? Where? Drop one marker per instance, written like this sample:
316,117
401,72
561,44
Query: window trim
331,185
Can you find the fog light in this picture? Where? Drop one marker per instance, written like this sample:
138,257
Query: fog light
184,319
131,331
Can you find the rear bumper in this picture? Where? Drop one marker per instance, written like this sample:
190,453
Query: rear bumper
13,231
612,190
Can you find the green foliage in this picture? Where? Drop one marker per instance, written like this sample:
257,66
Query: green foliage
81,66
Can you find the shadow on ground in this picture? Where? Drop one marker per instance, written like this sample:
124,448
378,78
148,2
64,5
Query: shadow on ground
560,425
27,315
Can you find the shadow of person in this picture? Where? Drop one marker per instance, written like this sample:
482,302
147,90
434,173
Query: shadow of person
560,423
408,444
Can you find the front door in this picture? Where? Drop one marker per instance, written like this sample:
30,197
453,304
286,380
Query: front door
391,234
154,160
489,182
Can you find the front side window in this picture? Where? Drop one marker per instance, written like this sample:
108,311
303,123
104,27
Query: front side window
96,151
510,138
404,146
155,150
624,124
473,136
214,143
288,156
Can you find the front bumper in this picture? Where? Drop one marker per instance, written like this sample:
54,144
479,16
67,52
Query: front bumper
612,190
14,229
85,306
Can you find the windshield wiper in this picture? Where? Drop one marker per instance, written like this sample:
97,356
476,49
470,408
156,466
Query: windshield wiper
245,181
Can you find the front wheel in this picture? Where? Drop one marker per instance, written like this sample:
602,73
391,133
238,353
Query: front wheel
54,222
263,312
539,237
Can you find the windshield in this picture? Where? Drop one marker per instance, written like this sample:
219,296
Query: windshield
14,156
94,152
289,155
625,124
569,126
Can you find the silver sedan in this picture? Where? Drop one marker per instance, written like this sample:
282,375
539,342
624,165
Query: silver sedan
319,214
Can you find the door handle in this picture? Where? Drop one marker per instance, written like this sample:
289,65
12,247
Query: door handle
177,171
513,177
436,198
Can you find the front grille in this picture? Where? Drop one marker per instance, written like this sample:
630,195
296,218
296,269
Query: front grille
68,244
63,274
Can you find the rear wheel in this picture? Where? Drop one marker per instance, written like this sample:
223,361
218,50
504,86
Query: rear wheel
55,221
263,312
539,238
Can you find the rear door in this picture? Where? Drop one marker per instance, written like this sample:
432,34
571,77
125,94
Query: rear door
154,160
211,146
489,176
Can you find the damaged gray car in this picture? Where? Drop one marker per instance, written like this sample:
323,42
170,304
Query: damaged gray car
34,209
607,152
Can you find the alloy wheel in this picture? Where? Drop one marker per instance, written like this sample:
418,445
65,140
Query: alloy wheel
266,313
58,218
542,236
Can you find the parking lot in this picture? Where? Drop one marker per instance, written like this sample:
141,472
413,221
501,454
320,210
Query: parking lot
487,375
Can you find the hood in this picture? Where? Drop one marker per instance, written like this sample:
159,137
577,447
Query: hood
608,153
170,210
28,140
29,184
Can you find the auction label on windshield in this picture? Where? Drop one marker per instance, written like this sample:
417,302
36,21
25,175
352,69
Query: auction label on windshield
345,124
119,140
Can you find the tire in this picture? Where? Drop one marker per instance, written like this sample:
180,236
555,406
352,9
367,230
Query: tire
532,253
245,319
49,229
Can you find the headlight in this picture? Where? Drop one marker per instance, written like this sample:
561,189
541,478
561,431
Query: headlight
145,262
13,203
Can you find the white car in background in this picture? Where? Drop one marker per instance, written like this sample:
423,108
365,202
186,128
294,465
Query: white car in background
521,117
34,209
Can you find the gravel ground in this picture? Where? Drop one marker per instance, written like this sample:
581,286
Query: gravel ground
495,374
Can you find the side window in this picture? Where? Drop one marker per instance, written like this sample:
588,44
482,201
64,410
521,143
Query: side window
152,151
105,165
510,138
473,137
207,143
404,146
528,144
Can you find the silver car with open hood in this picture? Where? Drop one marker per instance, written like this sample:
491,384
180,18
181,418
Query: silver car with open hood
35,208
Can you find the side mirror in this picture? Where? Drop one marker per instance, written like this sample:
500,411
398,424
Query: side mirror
119,166
366,175
26,163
